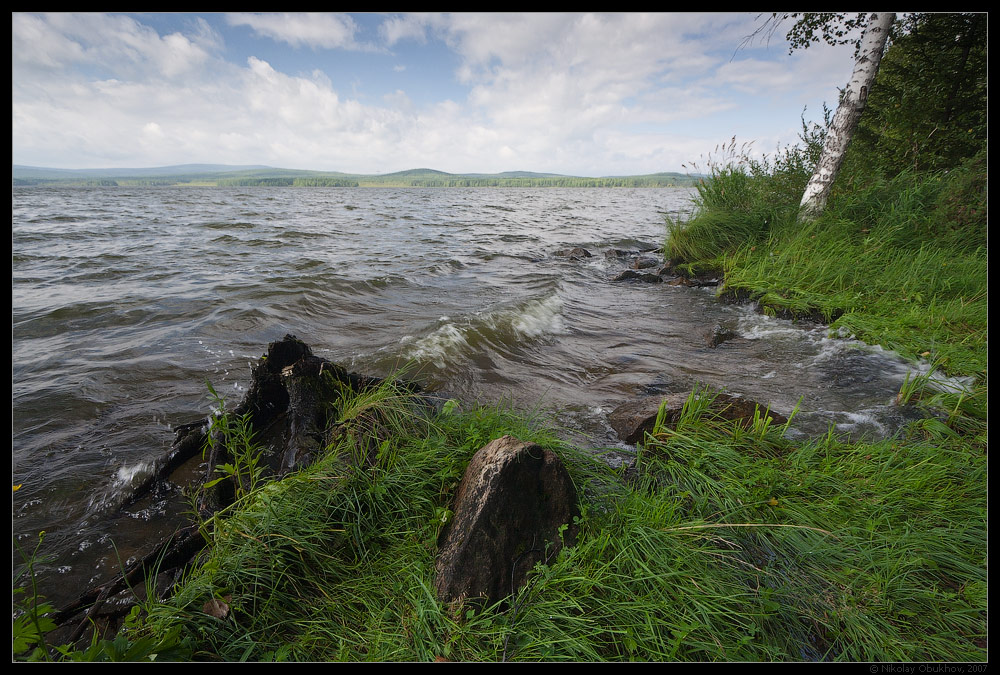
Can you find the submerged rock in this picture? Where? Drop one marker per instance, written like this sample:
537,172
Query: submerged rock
633,420
644,262
513,500
578,252
632,275
719,334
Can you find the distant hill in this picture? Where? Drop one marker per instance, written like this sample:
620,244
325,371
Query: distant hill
180,169
223,175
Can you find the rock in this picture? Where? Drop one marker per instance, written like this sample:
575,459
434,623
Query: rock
577,252
628,275
719,334
632,420
508,509
642,263
618,253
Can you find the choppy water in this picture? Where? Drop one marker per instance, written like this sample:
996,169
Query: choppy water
126,300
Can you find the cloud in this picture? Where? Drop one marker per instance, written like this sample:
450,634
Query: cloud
116,45
317,30
409,27
592,94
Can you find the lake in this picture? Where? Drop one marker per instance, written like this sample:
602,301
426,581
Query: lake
127,300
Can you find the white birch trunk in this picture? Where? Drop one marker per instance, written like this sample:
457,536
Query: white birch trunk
845,121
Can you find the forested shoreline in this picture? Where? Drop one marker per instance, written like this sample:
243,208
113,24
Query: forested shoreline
27,177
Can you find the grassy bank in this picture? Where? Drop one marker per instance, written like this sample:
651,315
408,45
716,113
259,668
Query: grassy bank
899,262
725,544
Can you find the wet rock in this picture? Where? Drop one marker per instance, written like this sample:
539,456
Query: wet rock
632,275
576,253
508,511
719,334
646,247
291,393
643,262
618,253
633,420
694,282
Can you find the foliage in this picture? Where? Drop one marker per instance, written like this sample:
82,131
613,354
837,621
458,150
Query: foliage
244,466
733,544
887,258
928,108
31,622
834,28
743,198
133,643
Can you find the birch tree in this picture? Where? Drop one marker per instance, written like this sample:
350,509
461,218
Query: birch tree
845,121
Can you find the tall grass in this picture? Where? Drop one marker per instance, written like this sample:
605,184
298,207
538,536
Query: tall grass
888,260
733,544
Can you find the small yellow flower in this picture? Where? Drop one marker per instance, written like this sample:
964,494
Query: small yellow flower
773,501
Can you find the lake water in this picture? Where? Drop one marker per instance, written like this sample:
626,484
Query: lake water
125,301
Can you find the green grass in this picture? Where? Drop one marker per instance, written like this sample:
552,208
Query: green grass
899,263
733,544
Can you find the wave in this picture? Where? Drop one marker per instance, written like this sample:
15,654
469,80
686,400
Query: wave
504,330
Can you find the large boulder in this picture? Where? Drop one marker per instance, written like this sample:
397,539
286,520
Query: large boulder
633,420
508,511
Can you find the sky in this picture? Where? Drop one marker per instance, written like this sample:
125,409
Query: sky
568,93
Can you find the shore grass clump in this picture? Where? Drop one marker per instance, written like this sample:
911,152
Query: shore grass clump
862,542
725,542
890,260
732,543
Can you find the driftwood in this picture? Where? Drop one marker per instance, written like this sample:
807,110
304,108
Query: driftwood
289,401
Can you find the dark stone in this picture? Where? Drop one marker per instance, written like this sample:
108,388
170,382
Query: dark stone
632,275
288,401
642,263
508,510
618,253
632,420
719,334
577,252
668,267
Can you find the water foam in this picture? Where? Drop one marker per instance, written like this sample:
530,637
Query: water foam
501,328
540,317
